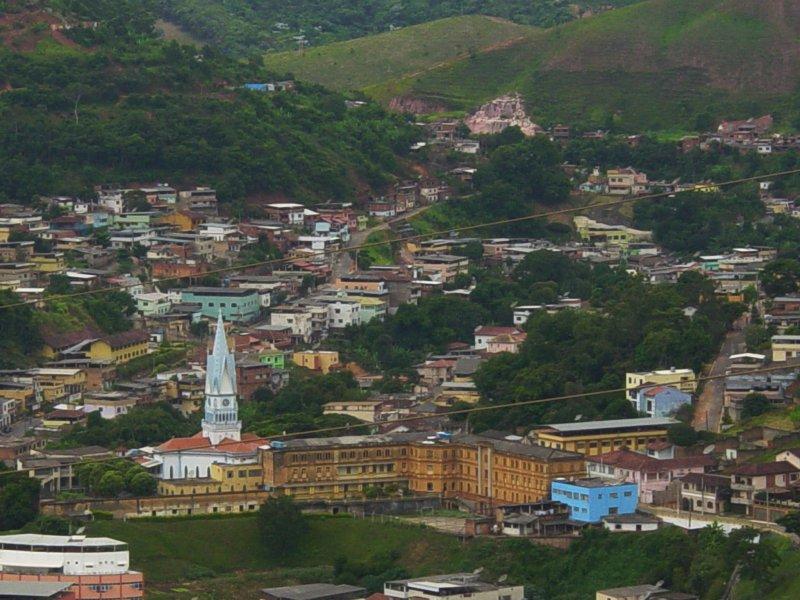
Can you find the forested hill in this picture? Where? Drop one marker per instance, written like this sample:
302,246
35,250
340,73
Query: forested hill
245,26
89,93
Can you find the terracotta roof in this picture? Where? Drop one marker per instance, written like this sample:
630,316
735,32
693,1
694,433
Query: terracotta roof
442,363
633,461
773,468
126,338
249,443
58,341
659,445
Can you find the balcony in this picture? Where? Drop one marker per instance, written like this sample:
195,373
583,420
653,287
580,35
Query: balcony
741,487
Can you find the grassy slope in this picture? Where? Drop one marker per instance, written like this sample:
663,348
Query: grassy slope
651,65
387,57
169,551
222,559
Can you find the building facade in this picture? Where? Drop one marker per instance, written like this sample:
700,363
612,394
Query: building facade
95,567
591,499
597,437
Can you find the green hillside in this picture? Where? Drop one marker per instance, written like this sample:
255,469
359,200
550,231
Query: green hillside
657,64
117,104
387,57
247,26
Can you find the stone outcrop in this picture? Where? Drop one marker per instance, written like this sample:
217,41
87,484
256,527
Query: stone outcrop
502,112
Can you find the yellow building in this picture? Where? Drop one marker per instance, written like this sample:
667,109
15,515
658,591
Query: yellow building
59,385
595,232
598,437
183,220
785,347
222,479
451,392
121,347
481,469
49,262
317,360
23,393
683,379
363,410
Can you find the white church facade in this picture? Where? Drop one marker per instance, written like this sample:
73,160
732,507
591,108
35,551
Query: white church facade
220,440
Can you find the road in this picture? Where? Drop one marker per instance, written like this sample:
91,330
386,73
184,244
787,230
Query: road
19,428
342,263
708,409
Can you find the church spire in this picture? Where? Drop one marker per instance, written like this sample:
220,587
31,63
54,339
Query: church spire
221,418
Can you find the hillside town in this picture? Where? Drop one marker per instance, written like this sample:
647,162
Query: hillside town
224,310
384,356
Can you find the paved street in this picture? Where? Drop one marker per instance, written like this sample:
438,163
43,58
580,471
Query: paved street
708,409
343,263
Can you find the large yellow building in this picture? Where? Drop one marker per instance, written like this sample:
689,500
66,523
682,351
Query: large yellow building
119,348
317,360
222,479
483,470
598,437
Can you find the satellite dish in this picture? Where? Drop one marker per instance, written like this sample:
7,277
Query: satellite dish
478,571
81,531
578,417
502,578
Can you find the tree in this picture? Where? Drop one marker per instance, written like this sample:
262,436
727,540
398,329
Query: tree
682,434
52,525
790,521
110,485
19,500
780,277
754,404
281,525
142,484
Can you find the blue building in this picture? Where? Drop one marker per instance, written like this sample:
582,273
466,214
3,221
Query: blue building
591,499
660,400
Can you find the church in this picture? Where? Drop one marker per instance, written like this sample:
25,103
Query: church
220,441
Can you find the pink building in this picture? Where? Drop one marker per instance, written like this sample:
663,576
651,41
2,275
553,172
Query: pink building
651,474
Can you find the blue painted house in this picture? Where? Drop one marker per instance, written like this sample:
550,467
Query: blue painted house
660,400
591,499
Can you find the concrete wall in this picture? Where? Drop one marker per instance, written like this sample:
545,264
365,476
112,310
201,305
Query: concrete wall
230,502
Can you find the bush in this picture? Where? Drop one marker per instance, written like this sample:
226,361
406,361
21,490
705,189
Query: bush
282,525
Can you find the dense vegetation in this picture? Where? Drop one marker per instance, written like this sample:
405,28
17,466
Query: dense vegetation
109,479
297,407
366,553
631,325
21,326
116,104
19,499
244,26
142,426
520,177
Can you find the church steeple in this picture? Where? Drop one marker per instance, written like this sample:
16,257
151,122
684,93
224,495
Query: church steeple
221,418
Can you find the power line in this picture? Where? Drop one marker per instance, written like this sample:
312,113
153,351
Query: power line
578,396
505,405
533,216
